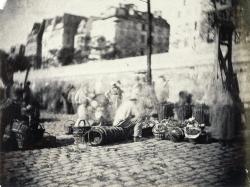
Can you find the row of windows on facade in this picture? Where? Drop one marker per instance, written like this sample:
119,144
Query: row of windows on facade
140,26
143,39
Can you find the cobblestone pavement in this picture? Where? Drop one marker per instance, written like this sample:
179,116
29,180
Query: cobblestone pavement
146,163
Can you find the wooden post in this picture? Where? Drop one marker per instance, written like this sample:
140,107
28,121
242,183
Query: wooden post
149,44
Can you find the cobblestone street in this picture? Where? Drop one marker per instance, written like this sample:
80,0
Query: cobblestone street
146,163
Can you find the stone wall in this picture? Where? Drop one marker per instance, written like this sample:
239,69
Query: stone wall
185,70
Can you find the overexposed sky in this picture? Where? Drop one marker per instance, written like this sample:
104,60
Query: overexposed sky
2,4
18,16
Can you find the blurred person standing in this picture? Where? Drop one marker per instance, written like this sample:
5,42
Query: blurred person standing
162,89
114,96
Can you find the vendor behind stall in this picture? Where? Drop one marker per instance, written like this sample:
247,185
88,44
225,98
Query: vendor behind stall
128,111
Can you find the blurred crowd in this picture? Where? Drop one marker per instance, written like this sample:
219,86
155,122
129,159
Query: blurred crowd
100,105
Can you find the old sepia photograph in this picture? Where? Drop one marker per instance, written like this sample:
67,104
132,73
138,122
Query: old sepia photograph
125,93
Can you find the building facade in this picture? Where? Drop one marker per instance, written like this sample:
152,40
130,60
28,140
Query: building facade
82,41
34,45
58,38
122,32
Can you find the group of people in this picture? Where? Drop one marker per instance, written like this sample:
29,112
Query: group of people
118,104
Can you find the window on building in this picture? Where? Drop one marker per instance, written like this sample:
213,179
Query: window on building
184,2
143,27
195,25
142,38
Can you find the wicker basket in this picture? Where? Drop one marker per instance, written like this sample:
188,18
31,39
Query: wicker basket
78,134
159,135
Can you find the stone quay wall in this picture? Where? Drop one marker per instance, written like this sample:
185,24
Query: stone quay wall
185,70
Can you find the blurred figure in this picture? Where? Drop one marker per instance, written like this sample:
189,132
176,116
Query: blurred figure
10,109
114,96
162,89
82,101
82,113
68,105
129,112
138,86
27,94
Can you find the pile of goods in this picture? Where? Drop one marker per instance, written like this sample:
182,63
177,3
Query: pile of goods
77,131
101,135
25,135
176,131
170,129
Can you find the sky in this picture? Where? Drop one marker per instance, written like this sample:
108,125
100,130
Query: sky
2,4
18,16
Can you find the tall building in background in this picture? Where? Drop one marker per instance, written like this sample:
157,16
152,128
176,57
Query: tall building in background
122,32
58,37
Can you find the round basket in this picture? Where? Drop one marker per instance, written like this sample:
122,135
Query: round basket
175,134
159,135
192,132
